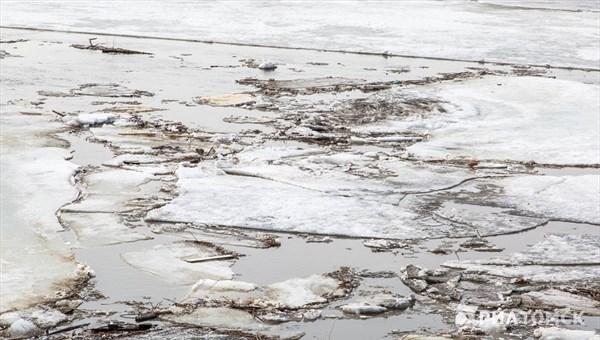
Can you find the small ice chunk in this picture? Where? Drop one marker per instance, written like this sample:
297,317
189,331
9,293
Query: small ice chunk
362,308
7,319
22,328
223,286
267,66
225,139
383,244
93,119
378,304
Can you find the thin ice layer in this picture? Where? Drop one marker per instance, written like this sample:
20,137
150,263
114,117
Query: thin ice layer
169,262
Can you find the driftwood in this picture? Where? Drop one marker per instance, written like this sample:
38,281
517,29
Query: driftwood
104,49
13,41
59,113
67,329
114,327
146,317
210,258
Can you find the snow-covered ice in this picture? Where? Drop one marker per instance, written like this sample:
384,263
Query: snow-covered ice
378,304
459,29
36,182
251,202
513,118
574,198
93,119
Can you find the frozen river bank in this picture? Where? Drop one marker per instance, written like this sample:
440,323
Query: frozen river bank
340,194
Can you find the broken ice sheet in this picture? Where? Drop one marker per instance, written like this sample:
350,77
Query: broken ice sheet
558,258
311,190
573,198
168,262
251,202
525,119
566,198
486,224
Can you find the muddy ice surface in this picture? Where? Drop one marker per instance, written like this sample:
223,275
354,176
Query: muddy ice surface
189,193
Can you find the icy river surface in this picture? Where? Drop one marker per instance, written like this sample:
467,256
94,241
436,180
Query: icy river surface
336,196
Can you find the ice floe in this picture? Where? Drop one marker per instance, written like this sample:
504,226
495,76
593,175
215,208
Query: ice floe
297,293
296,190
558,258
378,304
